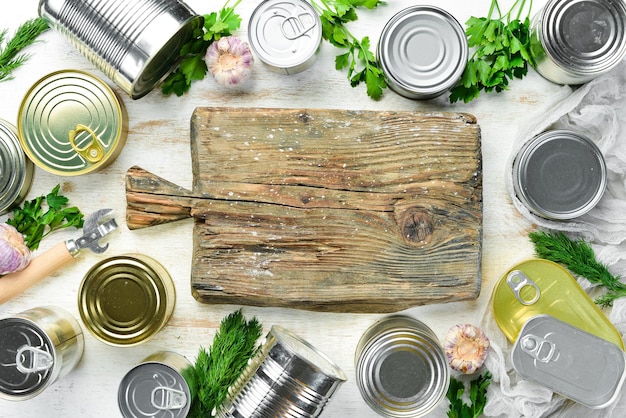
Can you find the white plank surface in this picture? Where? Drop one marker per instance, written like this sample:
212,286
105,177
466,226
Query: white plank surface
158,141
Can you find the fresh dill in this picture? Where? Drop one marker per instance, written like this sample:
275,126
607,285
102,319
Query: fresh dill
10,57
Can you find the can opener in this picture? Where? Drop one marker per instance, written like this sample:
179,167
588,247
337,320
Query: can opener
95,227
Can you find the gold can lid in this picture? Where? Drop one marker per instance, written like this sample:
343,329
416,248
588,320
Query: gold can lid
71,123
125,300
16,171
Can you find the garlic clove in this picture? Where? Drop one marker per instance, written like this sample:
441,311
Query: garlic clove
14,254
466,348
230,61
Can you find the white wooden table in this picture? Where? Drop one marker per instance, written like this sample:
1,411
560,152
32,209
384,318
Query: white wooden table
158,141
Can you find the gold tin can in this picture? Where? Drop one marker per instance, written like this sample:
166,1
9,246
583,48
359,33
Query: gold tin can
126,300
37,347
16,171
72,123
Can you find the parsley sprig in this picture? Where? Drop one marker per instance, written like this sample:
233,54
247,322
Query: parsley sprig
35,223
501,51
26,34
193,66
477,397
359,60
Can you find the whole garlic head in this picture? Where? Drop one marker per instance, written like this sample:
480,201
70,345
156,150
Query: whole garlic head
230,61
466,348
14,254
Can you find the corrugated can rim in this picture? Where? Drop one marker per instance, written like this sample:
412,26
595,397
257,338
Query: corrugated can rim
17,169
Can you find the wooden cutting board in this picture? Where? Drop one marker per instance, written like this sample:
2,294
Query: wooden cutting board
329,210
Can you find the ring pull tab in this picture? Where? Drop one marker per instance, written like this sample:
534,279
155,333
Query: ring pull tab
31,359
517,281
166,399
93,152
296,26
539,348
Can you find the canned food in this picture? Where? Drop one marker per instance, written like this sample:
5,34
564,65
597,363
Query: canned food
134,43
162,385
16,171
71,123
37,347
401,368
575,41
559,175
285,34
569,361
287,378
422,51
125,300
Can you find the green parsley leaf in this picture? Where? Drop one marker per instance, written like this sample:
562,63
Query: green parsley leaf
477,397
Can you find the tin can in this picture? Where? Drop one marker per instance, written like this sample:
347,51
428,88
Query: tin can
401,368
285,34
127,299
569,361
37,347
559,174
423,52
136,43
71,123
288,378
575,41
16,171
161,386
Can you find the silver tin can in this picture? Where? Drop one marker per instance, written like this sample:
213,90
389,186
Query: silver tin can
161,386
134,43
37,347
559,174
16,171
285,34
401,368
288,378
569,361
575,41
423,52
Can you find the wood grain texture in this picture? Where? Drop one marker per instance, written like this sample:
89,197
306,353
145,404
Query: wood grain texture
330,210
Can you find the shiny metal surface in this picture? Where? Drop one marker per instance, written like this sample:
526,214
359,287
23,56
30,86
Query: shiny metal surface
16,171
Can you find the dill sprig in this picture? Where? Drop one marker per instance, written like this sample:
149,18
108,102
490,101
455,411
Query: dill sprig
25,35
217,369
578,257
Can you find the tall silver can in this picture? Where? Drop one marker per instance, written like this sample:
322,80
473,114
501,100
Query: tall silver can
134,43
37,347
575,41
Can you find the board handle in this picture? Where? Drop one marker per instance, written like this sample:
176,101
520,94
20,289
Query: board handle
151,200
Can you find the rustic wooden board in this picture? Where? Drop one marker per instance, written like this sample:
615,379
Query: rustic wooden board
330,210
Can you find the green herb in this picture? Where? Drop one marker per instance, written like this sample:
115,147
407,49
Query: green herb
578,257
359,61
193,66
477,396
35,223
218,369
501,51
25,35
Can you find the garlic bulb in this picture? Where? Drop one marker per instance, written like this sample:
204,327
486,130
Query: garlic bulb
466,348
14,254
230,61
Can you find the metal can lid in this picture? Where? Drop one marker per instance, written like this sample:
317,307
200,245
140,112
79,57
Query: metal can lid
285,34
125,300
71,123
422,51
154,389
585,36
569,361
27,358
559,174
16,171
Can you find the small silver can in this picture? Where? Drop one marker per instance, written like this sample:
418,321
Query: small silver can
401,368
285,34
575,41
16,170
569,361
37,347
161,386
559,174
422,51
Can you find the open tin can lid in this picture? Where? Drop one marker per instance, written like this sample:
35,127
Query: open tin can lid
16,171
71,123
